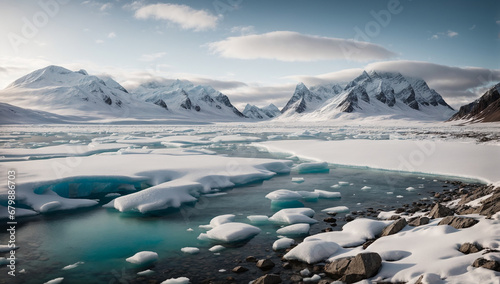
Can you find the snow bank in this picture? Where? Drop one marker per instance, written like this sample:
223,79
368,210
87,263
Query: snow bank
234,139
232,232
312,251
294,230
353,233
426,156
143,258
174,177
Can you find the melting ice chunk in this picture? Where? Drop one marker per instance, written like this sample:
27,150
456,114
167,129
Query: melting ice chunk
143,258
294,230
313,251
232,232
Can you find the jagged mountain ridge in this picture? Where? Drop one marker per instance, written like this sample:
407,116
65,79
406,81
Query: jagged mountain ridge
374,93
77,94
484,109
267,112
184,96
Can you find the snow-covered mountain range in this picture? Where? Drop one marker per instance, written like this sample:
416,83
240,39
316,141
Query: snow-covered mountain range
57,94
267,112
369,94
484,109
185,97
79,97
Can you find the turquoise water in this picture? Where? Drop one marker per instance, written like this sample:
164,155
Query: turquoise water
103,238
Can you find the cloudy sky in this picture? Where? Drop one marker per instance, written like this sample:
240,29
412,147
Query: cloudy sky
257,51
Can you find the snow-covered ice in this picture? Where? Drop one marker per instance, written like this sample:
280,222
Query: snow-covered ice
294,230
293,216
313,251
179,280
232,232
143,258
328,194
283,243
283,195
190,250
336,209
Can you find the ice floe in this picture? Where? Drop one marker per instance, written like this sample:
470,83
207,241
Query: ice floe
313,251
293,216
327,194
143,258
179,280
294,230
283,243
231,232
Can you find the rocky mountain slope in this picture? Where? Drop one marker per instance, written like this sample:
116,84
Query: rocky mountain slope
484,109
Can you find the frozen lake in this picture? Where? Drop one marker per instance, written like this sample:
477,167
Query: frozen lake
102,238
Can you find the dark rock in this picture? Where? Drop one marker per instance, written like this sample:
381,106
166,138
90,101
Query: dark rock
400,210
327,230
440,211
469,248
362,266
240,269
354,269
368,243
268,279
338,268
491,205
265,264
349,218
458,222
330,220
395,227
287,265
488,264
296,278
251,259
419,221
394,217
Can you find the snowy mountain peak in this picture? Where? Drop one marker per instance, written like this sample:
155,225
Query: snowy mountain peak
183,96
371,93
255,112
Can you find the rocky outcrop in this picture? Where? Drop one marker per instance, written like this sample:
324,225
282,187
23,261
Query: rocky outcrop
419,221
440,211
488,264
467,248
395,227
265,264
484,109
354,269
458,222
268,279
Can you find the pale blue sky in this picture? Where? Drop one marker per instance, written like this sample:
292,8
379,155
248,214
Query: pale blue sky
134,41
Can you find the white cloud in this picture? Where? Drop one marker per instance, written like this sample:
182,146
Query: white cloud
472,27
455,84
434,37
243,30
185,16
112,35
152,56
498,22
99,41
105,7
134,5
451,33
293,46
